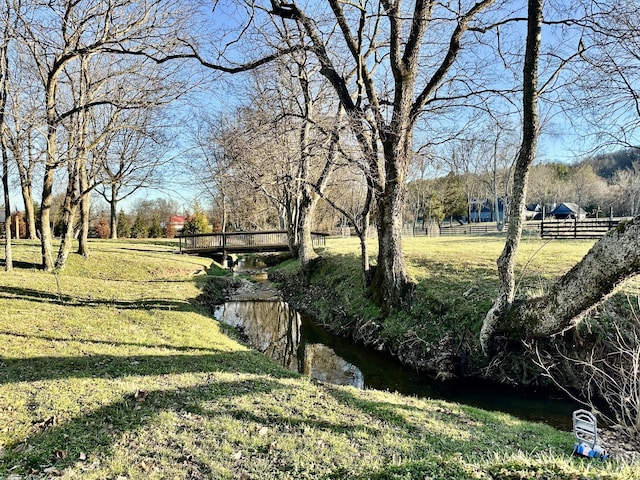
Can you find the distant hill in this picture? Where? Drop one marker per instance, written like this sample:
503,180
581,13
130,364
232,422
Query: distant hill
606,165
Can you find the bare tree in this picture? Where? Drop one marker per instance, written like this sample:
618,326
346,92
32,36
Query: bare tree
130,156
526,156
23,137
61,34
6,27
628,183
611,261
376,38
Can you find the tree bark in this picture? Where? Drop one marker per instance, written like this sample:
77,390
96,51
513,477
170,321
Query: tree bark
25,173
391,283
306,253
84,190
4,93
113,216
526,156
46,233
85,209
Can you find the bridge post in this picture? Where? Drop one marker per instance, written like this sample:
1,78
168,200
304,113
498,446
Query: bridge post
224,249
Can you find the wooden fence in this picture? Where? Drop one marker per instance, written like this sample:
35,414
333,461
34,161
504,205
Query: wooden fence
453,230
569,229
576,229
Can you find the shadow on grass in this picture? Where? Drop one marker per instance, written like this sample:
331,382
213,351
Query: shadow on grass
107,366
68,300
25,265
183,348
60,446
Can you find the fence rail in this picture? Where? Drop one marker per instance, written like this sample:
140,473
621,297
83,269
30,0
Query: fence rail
569,229
469,229
576,229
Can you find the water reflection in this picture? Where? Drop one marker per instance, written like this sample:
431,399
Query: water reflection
275,329
296,342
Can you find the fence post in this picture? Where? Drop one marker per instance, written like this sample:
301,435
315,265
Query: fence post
610,218
542,224
575,225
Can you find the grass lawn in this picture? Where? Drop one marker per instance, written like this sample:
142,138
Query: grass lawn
113,369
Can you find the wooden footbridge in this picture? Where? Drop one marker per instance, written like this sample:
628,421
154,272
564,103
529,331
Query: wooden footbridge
241,242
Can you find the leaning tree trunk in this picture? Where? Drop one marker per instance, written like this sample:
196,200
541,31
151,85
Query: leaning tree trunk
612,260
526,156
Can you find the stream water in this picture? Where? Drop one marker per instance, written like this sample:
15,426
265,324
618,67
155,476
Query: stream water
296,342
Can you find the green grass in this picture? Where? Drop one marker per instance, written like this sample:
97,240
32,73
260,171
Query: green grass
113,369
456,278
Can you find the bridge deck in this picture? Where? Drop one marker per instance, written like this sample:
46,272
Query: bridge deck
241,242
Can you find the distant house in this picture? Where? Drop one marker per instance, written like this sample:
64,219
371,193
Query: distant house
568,211
176,222
482,210
533,212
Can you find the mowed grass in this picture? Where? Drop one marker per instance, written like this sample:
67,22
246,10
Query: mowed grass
456,277
113,369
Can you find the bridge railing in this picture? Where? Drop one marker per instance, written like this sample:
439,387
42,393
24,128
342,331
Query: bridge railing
245,241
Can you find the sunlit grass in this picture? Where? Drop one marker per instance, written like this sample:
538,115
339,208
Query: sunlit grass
114,369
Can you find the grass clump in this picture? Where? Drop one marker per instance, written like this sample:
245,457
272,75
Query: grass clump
113,369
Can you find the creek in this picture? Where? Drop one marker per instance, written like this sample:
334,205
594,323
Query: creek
296,342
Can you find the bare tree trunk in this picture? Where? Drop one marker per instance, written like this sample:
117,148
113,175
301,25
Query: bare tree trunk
46,233
8,255
306,253
364,249
68,216
391,283
29,213
526,156
84,190
85,209
25,173
4,93
113,206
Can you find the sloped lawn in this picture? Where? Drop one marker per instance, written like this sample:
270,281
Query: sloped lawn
113,369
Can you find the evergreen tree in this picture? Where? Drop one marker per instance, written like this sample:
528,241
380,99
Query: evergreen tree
198,222
123,225
155,230
139,229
